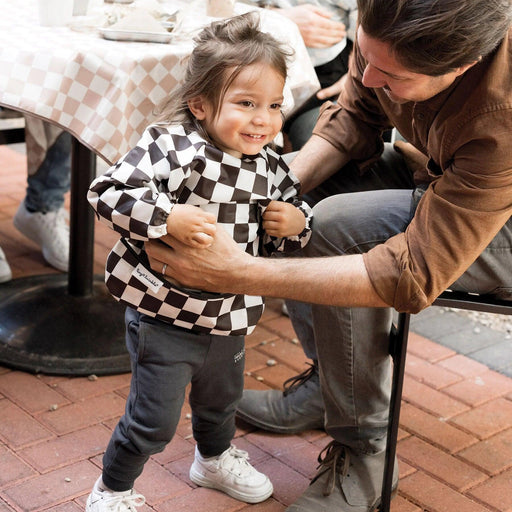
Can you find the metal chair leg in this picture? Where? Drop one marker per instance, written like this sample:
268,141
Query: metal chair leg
398,351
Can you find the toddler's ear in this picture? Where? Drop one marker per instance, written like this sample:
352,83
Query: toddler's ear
197,107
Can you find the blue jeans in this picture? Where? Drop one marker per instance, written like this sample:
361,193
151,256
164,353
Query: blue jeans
390,172
351,344
46,188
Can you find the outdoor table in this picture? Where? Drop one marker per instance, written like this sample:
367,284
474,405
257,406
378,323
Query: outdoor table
103,92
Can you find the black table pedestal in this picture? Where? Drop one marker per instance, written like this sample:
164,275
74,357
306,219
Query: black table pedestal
65,324
44,329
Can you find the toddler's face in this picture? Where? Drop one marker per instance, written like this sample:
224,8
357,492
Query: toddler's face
250,114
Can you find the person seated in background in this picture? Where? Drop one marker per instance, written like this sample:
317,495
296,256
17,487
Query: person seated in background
41,216
327,28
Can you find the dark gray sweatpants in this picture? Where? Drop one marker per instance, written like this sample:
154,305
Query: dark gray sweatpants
164,360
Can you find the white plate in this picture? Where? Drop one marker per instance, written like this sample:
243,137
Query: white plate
130,35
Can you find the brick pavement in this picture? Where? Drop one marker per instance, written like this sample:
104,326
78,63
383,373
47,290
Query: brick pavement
455,443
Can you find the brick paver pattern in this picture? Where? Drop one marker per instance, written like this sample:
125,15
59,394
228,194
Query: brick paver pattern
455,440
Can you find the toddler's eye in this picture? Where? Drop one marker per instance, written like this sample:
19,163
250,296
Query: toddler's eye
276,106
246,103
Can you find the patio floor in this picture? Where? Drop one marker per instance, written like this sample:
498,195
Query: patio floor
455,447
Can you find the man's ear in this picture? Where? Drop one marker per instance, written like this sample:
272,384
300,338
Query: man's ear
463,69
197,107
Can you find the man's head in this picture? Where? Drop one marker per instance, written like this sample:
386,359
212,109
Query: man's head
436,37
384,71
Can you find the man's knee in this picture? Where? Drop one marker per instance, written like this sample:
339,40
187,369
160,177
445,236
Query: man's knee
353,223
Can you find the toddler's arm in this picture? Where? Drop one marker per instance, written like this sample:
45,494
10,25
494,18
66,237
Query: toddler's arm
136,196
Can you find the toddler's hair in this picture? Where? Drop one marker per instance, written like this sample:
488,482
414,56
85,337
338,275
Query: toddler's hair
221,51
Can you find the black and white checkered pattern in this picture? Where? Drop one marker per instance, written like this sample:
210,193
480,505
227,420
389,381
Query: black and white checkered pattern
170,165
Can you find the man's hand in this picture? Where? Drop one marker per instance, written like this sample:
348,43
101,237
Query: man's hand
224,267
216,268
191,225
315,26
281,219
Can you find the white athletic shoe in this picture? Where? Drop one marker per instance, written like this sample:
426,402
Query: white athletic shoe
5,269
49,230
231,473
109,501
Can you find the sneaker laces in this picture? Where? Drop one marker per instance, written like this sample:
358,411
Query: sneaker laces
236,461
290,385
126,503
336,460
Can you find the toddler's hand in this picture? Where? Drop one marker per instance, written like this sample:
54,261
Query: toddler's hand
282,219
191,225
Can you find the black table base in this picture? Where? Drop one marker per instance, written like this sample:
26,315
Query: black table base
66,324
44,329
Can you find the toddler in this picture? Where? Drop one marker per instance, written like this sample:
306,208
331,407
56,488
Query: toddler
204,165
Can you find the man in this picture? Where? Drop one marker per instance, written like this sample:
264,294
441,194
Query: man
432,214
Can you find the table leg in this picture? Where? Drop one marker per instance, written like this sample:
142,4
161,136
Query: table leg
67,325
81,217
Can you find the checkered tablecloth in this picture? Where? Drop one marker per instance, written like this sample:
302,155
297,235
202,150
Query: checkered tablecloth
104,92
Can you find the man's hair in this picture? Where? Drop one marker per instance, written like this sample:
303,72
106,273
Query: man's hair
435,37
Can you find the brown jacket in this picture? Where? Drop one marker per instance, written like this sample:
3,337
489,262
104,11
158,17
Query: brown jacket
464,135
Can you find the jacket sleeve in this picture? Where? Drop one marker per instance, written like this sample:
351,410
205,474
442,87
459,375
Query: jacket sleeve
135,196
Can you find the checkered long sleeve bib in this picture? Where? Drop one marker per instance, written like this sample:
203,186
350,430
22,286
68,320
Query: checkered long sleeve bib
174,165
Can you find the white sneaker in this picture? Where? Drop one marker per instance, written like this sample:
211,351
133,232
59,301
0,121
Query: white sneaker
48,230
109,501
231,473
5,269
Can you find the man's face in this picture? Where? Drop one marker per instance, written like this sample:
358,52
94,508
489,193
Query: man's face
401,85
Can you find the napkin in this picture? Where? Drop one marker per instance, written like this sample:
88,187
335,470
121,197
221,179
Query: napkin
139,20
